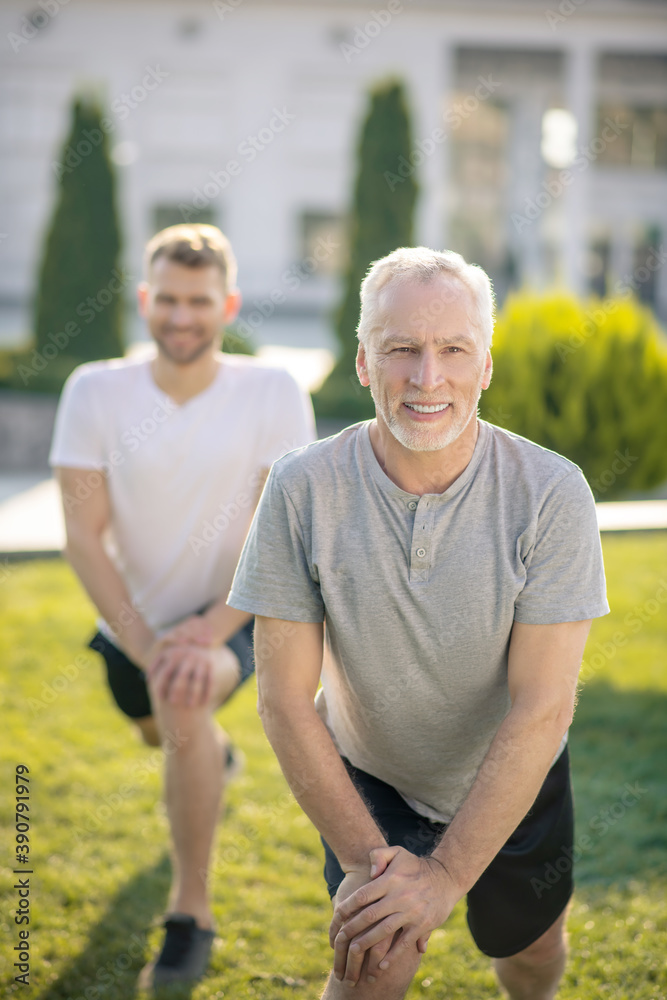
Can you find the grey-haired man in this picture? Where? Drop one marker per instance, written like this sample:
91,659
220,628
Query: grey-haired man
457,568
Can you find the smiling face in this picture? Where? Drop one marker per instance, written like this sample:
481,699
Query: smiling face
427,366
185,309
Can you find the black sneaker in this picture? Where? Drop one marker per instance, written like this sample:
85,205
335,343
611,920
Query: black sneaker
184,955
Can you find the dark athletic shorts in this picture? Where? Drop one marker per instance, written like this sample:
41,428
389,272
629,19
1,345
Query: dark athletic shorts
506,910
127,681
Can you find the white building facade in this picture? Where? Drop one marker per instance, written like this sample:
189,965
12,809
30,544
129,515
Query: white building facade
540,137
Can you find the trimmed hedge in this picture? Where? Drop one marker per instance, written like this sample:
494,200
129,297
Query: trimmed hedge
588,380
81,284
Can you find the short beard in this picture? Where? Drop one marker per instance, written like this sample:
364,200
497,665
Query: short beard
185,359
416,439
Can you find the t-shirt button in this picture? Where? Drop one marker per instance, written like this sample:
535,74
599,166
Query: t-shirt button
413,505
421,553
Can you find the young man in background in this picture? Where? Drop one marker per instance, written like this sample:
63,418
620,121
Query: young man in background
161,461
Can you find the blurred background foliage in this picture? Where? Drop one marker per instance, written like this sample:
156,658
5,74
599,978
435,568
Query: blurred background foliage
586,379
80,284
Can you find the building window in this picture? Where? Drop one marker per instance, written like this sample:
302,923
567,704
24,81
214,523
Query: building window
599,260
631,98
323,237
637,136
645,271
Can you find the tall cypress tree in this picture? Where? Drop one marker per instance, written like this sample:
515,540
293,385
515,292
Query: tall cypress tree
381,220
79,302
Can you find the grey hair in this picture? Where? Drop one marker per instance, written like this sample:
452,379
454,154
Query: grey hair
423,265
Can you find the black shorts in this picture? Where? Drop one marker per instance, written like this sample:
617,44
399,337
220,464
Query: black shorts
527,885
127,680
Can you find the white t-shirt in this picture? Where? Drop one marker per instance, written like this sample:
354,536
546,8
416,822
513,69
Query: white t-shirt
182,479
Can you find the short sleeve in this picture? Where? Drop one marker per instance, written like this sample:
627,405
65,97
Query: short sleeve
294,423
77,442
274,576
564,568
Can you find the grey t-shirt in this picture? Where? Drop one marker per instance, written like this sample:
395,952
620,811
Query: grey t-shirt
419,594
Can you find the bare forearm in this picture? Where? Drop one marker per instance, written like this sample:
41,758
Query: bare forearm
505,788
225,621
108,592
320,783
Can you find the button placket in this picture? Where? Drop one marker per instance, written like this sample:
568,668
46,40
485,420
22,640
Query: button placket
422,533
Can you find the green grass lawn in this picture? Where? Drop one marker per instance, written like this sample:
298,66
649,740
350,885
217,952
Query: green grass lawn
98,833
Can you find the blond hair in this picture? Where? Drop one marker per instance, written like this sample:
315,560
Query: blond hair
193,245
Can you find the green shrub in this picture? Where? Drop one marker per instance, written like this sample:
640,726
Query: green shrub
23,369
81,285
588,380
380,221
235,343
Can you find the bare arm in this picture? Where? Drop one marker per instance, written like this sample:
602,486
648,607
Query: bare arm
86,520
289,662
544,662
417,895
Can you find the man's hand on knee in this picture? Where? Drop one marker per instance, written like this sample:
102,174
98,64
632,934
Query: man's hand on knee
348,956
181,675
394,912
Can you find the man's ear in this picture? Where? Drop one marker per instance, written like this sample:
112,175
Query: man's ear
142,297
232,305
488,371
361,366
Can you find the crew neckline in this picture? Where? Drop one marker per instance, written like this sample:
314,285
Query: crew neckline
193,399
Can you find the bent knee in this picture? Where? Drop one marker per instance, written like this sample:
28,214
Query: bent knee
548,948
226,675
187,719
